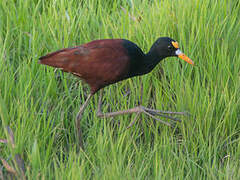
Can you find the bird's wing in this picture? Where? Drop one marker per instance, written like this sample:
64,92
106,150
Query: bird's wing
99,62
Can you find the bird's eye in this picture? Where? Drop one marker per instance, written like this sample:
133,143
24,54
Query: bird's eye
170,48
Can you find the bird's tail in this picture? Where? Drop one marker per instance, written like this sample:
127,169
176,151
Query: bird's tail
58,59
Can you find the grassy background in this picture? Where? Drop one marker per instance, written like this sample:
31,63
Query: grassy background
40,103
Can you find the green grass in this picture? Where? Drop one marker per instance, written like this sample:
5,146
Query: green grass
39,103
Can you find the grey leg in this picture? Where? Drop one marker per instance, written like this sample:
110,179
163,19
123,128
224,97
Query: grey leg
139,109
78,121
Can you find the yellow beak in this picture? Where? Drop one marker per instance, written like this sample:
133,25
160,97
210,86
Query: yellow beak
182,56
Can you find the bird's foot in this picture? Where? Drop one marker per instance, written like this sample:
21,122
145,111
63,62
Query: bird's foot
185,113
163,114
153,113
150,112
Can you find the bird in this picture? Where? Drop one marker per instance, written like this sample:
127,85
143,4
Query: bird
103,62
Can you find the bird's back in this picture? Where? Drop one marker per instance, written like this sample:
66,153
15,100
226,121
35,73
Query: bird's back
99,63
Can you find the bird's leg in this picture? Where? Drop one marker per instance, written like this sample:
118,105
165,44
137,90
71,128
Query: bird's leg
78,121
111,114
137,109
99,111
140,109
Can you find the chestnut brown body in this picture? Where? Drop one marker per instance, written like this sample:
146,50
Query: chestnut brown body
99,63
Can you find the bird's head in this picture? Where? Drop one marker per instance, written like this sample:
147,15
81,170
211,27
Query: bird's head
167,47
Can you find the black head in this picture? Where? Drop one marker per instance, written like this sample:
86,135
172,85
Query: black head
167,47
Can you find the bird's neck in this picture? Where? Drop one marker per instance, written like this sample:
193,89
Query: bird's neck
151,59
145,63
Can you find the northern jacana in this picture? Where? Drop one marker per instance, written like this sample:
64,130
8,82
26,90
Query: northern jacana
103,62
